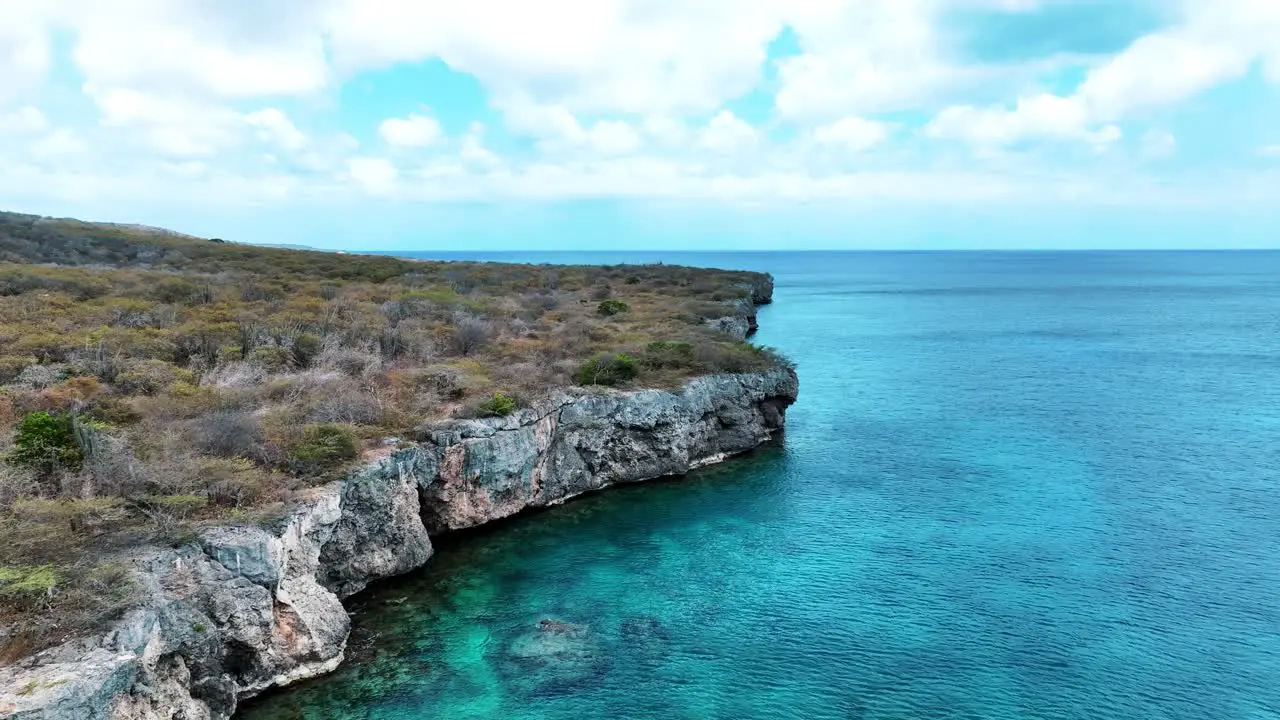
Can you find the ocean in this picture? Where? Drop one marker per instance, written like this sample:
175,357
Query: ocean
1016,485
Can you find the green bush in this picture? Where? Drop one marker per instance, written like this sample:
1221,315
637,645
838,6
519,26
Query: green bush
324,447
668,354
174,291
27,585
148,377
609,308
608,369
306,348
113,410
734,358
499,405
45,442
270,358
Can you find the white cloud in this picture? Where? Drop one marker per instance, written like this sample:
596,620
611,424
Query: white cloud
863,57
1269,151
376,175
274,126
1159,144
1039,117
59,144
473,150
26,119
854,134
413,131
616,56
24,47
666,131
1158,70
231,49
613,137
559,131
610,101
551,123
726,133
173,126
1213,43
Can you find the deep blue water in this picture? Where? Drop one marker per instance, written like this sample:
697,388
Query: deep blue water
1015,486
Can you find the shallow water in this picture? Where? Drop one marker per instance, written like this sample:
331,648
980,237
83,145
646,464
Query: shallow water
1014,486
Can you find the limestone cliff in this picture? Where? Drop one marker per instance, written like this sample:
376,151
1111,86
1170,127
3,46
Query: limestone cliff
476,471
238,610
243,609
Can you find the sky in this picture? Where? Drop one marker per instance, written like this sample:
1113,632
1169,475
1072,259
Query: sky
650,124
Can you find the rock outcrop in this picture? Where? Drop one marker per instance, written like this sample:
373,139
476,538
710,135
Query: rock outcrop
481,470
237,611
246,608
741,320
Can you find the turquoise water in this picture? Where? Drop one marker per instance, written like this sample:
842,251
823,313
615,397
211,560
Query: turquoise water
1014,486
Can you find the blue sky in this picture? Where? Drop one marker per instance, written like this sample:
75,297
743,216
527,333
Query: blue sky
663,124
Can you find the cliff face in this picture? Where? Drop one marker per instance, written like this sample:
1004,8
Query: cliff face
484,470
239,610
741,320
243,609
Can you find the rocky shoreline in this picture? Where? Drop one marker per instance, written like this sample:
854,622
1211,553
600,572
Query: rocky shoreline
243,609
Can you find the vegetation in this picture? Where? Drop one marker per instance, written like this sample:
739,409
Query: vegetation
608,369
609,308
150,382
46,443
499,405
324,447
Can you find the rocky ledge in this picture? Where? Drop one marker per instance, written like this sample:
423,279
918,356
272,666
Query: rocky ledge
740,321
242,609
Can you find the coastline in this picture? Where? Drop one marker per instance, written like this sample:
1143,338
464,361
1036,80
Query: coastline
241,609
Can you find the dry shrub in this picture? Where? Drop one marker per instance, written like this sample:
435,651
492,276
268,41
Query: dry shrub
15,483
346,402
109,464
182,400
236,374
416,340
539,304
356,362
11,367
170,466
41,376
447,383
233,482
148,377
270,358
469,334
229,434
8,413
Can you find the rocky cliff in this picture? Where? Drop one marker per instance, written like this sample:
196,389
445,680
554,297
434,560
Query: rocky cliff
242,609
740,321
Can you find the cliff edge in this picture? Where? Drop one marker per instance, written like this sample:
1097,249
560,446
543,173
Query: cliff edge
239,610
